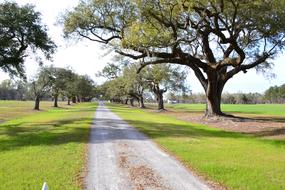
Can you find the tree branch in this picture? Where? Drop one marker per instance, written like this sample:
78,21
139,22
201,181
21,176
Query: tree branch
243,68
160,61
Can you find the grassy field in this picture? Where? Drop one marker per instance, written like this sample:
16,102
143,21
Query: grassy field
255,109
44,146
14,109
235,160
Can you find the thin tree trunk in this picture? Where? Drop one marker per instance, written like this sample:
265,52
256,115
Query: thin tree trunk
55,101
68,101
141,102
159,96
132,102
37,103
74,99
126,101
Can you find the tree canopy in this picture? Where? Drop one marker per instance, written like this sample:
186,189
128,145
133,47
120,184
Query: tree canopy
130,85
215,38
275,94
21,32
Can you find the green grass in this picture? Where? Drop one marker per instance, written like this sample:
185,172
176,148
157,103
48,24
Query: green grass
260,109
45,146
15,109
235,160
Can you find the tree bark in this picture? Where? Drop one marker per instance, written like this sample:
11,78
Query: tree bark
159,95
68,101
126,101
55,101
159,98
37,103
213,96
132,102
141,102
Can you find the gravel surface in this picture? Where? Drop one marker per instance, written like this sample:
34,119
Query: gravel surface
121,158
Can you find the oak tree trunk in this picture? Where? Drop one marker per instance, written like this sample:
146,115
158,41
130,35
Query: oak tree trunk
213,96
141,102
74,99
37,103
55,101
68,101
132,102
159,98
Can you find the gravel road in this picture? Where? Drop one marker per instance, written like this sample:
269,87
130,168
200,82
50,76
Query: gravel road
121,158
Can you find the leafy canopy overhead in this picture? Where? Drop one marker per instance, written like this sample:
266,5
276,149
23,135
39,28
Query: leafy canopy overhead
21,32
215,38
216,32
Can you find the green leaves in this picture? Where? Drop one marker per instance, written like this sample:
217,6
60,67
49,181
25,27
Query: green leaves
20,30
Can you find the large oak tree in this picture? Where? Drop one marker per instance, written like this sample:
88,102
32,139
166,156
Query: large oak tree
21,33
216,38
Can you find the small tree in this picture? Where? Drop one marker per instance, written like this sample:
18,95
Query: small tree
85,88
135,83
161,78
115,90
41,85
62,77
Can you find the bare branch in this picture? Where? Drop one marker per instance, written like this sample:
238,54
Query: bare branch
160,61
136,57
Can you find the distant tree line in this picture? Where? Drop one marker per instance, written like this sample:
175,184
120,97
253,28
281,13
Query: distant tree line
51,83
275,94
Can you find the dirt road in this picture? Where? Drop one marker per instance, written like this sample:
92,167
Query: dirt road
121,158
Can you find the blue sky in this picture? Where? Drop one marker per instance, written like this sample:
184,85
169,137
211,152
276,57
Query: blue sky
87,57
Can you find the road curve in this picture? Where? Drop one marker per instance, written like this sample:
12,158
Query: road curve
121,158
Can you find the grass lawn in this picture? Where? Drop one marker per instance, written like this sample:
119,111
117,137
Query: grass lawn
235,160
14,109
45,146
256,109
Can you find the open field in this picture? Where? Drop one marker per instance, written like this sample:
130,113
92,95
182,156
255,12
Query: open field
14,109
235,160
239,109
44,146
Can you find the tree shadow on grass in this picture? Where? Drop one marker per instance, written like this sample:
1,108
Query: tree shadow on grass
107,130
104,130
274,132
256,118
37,134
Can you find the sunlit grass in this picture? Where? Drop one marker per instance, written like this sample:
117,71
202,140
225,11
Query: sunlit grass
235,160
45,146
260,109
14,109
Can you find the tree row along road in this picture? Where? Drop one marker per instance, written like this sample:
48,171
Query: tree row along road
121,158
